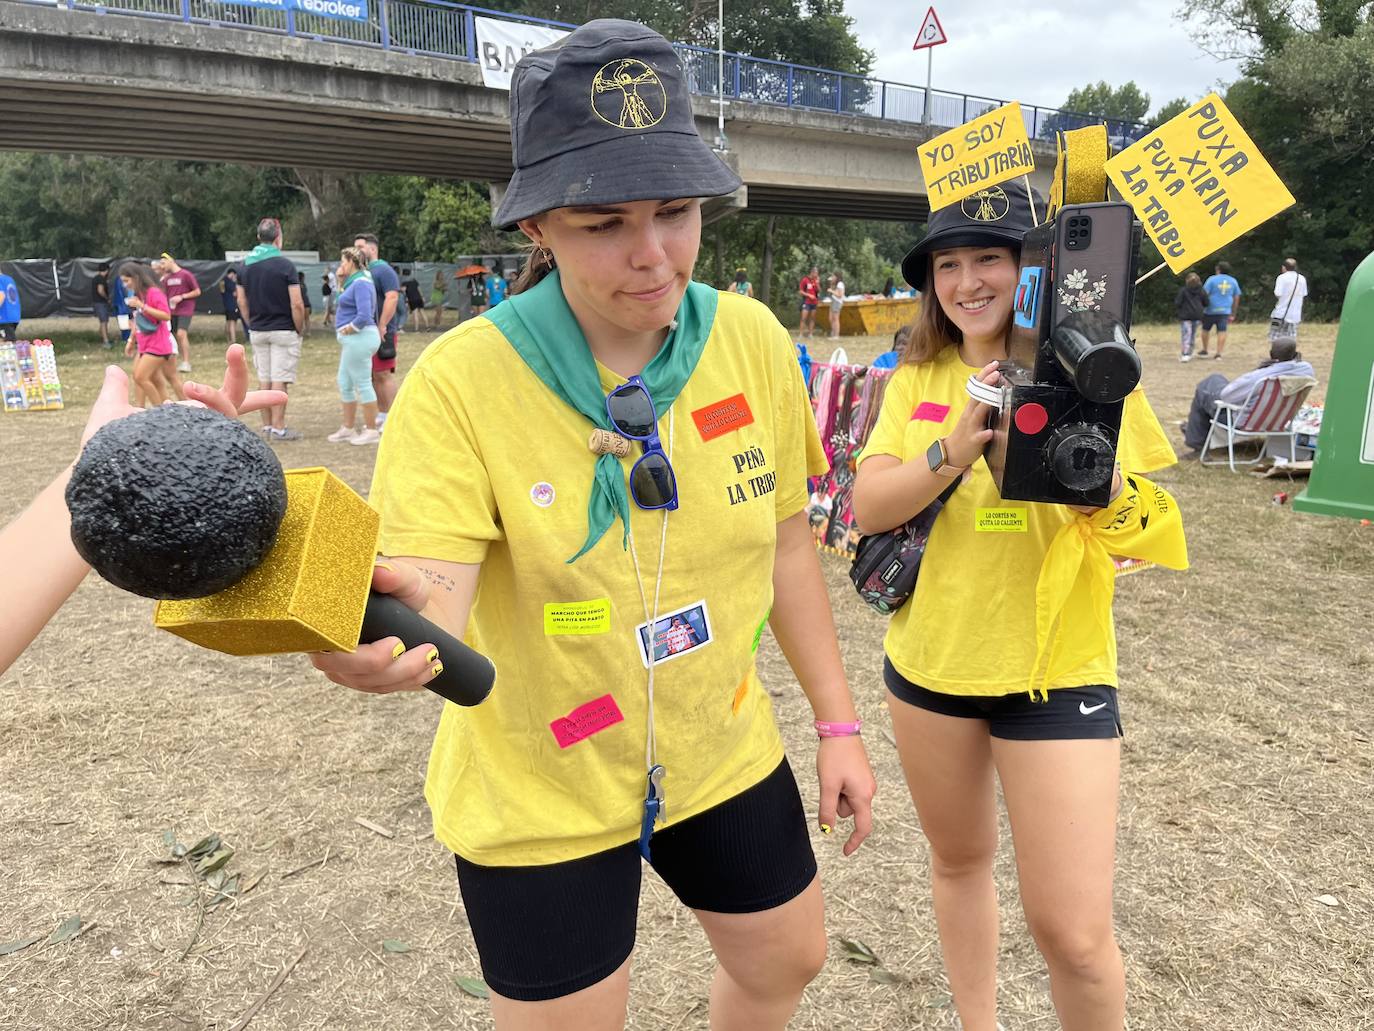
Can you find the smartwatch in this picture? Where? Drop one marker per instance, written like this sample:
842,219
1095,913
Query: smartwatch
938,460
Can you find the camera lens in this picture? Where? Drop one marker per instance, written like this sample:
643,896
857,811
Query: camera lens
1081,456
1096,353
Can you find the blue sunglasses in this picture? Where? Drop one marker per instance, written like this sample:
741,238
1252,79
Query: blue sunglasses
631,412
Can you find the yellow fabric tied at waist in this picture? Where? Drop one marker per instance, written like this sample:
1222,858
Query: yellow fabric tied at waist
1143,522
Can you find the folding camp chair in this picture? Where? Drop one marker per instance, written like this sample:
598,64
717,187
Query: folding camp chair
1266,413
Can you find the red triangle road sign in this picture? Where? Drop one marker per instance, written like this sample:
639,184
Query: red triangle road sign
932,33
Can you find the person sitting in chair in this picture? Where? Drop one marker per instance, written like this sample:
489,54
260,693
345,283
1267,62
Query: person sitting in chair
1283,360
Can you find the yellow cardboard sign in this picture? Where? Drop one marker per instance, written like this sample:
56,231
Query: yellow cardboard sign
988,150
577,617
1197,183
1002,520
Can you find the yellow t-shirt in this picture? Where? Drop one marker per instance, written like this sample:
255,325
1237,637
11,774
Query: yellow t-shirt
970,628
482,463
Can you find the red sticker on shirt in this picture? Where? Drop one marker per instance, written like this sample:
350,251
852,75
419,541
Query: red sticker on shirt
720,418
586,720
929,411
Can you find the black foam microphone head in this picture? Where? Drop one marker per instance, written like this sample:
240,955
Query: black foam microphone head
175,502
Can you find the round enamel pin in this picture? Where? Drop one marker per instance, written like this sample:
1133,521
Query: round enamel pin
542,494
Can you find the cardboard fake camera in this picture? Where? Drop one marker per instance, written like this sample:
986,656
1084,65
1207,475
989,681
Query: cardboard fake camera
1071,362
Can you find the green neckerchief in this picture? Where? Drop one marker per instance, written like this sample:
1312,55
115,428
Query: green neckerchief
262,252
544,332
360,274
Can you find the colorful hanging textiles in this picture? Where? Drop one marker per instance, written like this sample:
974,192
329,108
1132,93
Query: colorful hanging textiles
846,400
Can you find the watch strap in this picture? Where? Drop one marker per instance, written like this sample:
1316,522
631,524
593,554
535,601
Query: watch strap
944,468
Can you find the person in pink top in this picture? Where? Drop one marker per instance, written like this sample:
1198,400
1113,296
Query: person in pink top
157,352
182,289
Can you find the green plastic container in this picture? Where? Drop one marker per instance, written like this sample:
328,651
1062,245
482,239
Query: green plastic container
1342,482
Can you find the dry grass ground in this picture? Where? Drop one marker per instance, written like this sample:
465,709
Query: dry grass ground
1246,794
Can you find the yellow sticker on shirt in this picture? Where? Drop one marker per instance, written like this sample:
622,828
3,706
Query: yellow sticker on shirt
577,617
1001,520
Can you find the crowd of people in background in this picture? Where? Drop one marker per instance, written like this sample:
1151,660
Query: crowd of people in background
1213,305
810,288
365,300
368,303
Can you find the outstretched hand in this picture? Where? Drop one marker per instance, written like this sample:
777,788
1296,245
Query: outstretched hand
232,398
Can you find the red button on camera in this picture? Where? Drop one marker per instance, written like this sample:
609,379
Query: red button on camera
1031,418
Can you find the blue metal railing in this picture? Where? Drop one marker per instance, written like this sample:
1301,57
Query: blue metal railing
438,28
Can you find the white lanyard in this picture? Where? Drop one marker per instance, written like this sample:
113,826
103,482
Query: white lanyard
651,616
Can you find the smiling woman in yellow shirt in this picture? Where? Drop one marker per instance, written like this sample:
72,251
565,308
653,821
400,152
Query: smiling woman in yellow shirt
622,594
1002,666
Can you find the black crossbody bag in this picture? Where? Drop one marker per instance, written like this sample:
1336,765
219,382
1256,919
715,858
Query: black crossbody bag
886,564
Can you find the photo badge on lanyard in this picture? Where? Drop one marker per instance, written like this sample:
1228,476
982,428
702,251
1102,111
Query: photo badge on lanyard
679,633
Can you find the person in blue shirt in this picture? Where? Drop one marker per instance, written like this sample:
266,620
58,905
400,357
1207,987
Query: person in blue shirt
1223,305
119,298
1284,360
9,308
355,324
496,288
387,287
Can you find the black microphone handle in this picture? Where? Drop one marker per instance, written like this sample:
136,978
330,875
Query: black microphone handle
467,676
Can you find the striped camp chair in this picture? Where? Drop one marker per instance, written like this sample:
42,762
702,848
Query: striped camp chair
1270,414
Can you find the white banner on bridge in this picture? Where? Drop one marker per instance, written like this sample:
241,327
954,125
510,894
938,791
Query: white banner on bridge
501,43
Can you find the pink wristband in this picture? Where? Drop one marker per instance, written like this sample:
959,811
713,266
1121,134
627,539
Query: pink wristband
825,729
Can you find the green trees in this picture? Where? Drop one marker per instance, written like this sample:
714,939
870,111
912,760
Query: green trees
1127,102
68,205
814,32
64,205
863,253
1307,100
71,205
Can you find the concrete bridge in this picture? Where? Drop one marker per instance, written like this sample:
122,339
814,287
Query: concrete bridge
85,81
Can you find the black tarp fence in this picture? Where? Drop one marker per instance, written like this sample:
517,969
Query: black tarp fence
63,288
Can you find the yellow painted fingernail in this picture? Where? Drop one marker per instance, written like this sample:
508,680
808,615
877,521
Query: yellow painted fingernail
438,668
826,828
399,650
433,654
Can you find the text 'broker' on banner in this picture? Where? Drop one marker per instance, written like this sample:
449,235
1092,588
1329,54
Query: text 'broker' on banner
988,150
1197,183
500,44
344,10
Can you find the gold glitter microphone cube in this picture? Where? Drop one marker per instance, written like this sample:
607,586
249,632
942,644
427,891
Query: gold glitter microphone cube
309,593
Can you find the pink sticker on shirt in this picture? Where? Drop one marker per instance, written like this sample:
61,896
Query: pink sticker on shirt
929,411
586,720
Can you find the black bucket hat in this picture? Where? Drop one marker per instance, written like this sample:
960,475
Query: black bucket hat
996,216
604,116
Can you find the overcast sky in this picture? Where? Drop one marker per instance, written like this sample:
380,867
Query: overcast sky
1036,53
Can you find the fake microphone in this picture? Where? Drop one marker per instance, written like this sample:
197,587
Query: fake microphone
184,505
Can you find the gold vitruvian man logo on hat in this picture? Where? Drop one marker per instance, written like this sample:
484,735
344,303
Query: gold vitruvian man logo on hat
989,205
629,95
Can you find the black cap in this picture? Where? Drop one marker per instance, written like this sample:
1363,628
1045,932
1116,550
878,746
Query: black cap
604,116
996,216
